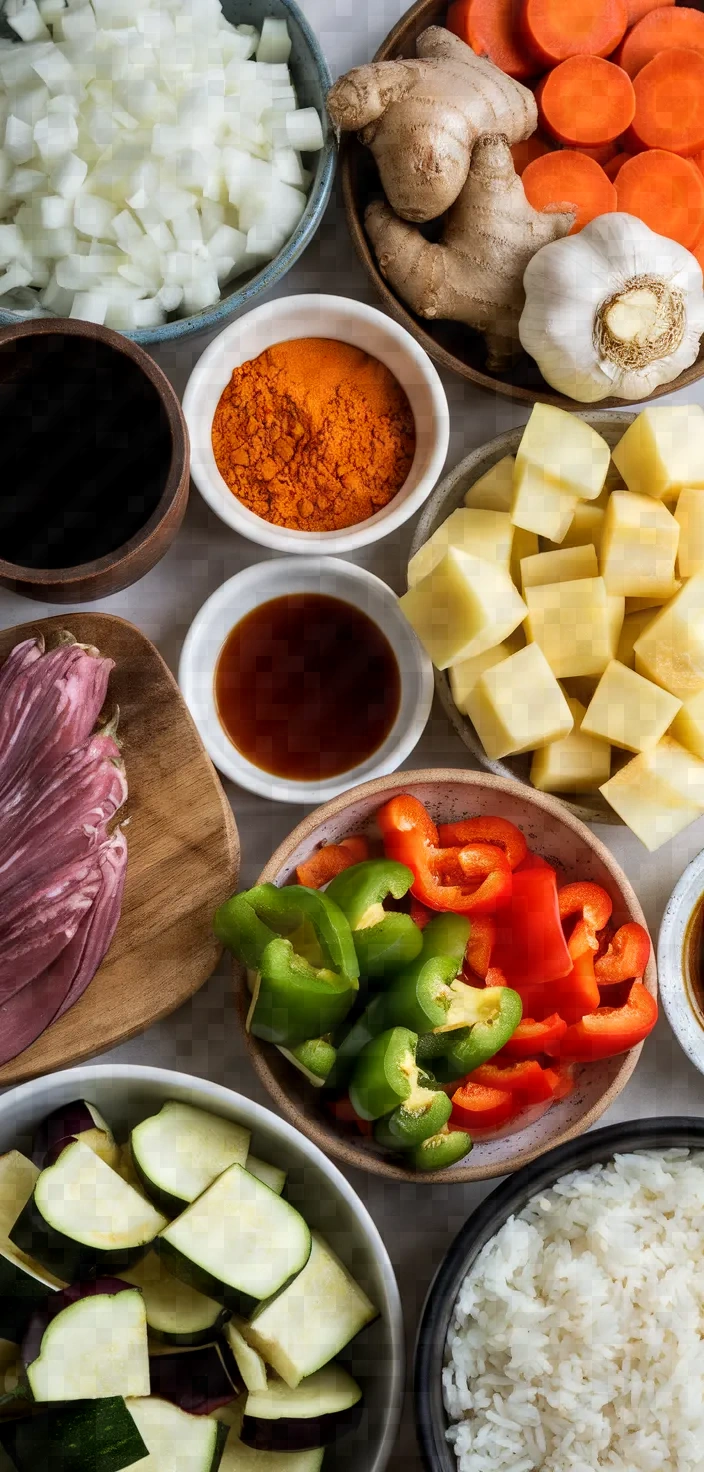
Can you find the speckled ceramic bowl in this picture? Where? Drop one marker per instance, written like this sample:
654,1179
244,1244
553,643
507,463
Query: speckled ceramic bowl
311,77
678,948
552,832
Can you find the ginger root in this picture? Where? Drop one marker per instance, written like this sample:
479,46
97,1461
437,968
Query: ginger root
475,274
420,118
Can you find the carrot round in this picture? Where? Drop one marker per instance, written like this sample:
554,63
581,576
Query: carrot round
670,102
603,154
586,102
491,28
638,8
666,192
556,29
661,30
524,153
614,166
566,180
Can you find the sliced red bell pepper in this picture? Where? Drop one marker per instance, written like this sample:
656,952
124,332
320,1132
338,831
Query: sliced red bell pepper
527,1081
420,914
343,1111
530,944
473,880
477,957
497,831
330,860
533,861
610,1030
592,906
626,957
532,1037
475,1107
563,1084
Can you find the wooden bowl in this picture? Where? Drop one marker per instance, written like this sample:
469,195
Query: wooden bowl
447,496
129,562
550,831
450,343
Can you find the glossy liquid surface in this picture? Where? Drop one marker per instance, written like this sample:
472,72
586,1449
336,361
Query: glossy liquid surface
307,686
693,960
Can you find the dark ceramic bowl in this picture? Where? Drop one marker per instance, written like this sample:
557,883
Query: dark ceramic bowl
484,1223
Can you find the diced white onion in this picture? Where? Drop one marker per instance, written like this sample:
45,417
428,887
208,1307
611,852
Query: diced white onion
304,130
90,306
26,20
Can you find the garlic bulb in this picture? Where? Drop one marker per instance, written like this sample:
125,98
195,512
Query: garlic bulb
614,310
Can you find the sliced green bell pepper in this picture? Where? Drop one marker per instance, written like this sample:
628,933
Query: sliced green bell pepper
484,1020
440,1151
238,926
383,939
386,1074
314,924
421,996
293,1001
314,1059
408,1127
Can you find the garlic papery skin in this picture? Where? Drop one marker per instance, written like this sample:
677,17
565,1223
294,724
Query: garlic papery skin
614,310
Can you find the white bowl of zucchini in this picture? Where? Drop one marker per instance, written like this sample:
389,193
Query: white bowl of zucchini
186,1284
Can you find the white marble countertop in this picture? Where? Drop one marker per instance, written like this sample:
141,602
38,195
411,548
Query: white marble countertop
417,1222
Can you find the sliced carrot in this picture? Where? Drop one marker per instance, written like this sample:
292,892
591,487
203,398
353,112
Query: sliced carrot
670,102
323,865
638,8
661,30
356,845
524,153
586,102
554,29
567,180
601,155
666,192
491,28
615,164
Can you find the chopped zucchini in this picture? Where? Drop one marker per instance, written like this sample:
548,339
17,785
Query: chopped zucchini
180,1151
322,1407
93,1436
176,1313
92,1349
18,1177
248,1360
271,1175
69,1122
24,1286
176,1441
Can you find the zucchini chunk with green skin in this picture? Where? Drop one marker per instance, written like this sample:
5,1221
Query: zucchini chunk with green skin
84,1218
324,1406
307,1324
196,1380
314,1059
180,1151
18,1177
406,1127
176,1442
271,1175
88,1342
249,1362
238,1243
240,1458
93,1436
24,1286
176,1313
77,1120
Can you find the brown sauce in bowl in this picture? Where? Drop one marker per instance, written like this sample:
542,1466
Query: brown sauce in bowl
693,960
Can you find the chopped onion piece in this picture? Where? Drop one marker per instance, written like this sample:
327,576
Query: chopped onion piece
69,176
90,306
55,211
19,140
304,130
55,135
93,216
26,20
15,275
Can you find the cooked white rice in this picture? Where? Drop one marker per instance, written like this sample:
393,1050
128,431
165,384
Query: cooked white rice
577,1340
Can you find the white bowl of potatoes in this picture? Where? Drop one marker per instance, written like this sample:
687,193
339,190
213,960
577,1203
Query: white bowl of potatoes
559,590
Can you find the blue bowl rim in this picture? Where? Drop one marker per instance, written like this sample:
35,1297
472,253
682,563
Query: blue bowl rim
510,1197
227,306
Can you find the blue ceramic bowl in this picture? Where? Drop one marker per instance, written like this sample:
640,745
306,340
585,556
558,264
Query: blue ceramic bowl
311,78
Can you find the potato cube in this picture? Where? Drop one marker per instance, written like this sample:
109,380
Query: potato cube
659,792
464,674
641,605
690,515
582,688
670,652
586,526
634,624
486,534
493,491
662,451
576,625
567,450
525,544
628,710
563,566
539,505
464,606
688,725
518,705
575,763
638,546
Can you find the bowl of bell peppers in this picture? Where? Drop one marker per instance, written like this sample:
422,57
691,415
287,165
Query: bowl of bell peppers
441,977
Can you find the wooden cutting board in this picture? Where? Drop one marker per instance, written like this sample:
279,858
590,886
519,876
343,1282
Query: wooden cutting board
183,854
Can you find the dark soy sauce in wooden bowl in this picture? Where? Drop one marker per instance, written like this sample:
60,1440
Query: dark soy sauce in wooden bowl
86,450
307,686
693,960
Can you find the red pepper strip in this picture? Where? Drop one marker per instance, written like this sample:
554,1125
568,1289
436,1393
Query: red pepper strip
343,1112
530,944
610,1030
627,956
357,845
532,861
577,994
411,837
592,905
420,914
324,865
527,1081
495,977
482,859
475,1107
486,830
564,1081
477,957
532,1037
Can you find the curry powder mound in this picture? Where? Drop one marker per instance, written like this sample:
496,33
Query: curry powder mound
314,434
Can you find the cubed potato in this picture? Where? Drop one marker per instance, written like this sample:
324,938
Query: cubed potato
515,641
662,451
628,710
486,534
642,605
581,688
518,705
562,566
634,624
464,606
576,625
659,792
690,516
688,725
538,505
493,491
575,763
566,450
670,652
638,546
586,526
464,674
525,544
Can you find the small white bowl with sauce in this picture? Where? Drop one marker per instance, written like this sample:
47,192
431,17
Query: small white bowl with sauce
681,961
347,321
237,608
